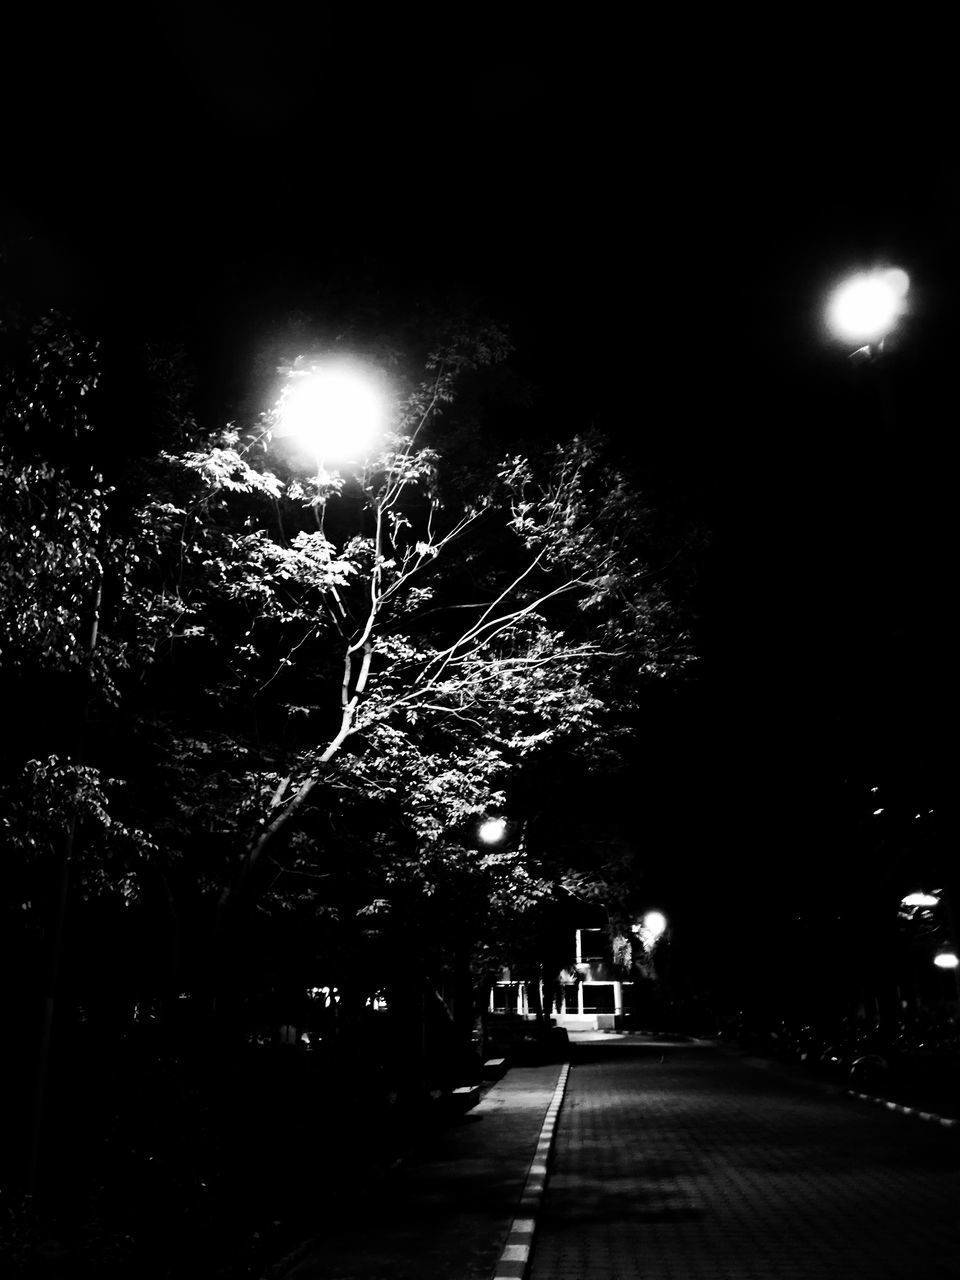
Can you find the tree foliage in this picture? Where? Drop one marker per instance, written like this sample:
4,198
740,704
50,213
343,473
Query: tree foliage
299,688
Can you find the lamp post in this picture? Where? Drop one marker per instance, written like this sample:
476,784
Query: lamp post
333,409
862,312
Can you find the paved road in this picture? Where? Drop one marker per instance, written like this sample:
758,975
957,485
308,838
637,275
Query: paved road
700,1167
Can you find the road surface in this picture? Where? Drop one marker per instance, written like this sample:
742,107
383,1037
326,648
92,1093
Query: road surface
699,1167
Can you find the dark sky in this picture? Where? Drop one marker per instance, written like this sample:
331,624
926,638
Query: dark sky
658,223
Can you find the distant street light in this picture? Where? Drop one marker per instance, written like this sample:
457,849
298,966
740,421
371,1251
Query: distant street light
492,830
865,308
654,924
335,409
648,933
946,958
650,929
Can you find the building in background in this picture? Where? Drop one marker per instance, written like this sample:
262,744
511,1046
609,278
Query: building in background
594,995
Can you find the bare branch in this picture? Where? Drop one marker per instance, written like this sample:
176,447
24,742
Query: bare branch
311,631
432,551
280,791
468,635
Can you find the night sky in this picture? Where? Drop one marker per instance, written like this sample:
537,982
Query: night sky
658,226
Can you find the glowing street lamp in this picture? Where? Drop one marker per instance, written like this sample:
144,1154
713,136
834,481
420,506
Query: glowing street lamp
651,929
866,307
654,924
920,900
946,960
492,830
335,409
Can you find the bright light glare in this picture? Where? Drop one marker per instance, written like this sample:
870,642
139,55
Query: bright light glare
336,411
920,900
897,281
946,960
654,924
492,830
866,307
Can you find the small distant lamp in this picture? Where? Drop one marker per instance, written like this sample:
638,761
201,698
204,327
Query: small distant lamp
654,924
651,929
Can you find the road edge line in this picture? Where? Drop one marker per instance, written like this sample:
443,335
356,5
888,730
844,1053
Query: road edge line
946,1122
515,1256
838,1089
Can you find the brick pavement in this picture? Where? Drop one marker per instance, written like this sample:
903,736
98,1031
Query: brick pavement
699,1168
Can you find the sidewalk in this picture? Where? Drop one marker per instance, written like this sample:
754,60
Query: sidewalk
445,1211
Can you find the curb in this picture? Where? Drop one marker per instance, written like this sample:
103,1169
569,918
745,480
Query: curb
837,1090
515,1257
947,1122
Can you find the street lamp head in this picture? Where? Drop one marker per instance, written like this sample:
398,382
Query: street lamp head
946,960
920,900
865,308
492,830
335,409
654,924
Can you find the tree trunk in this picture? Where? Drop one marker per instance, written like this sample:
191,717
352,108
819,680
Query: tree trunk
535,995
464,1013
55,950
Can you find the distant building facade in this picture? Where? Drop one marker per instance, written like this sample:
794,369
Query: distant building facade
593,995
